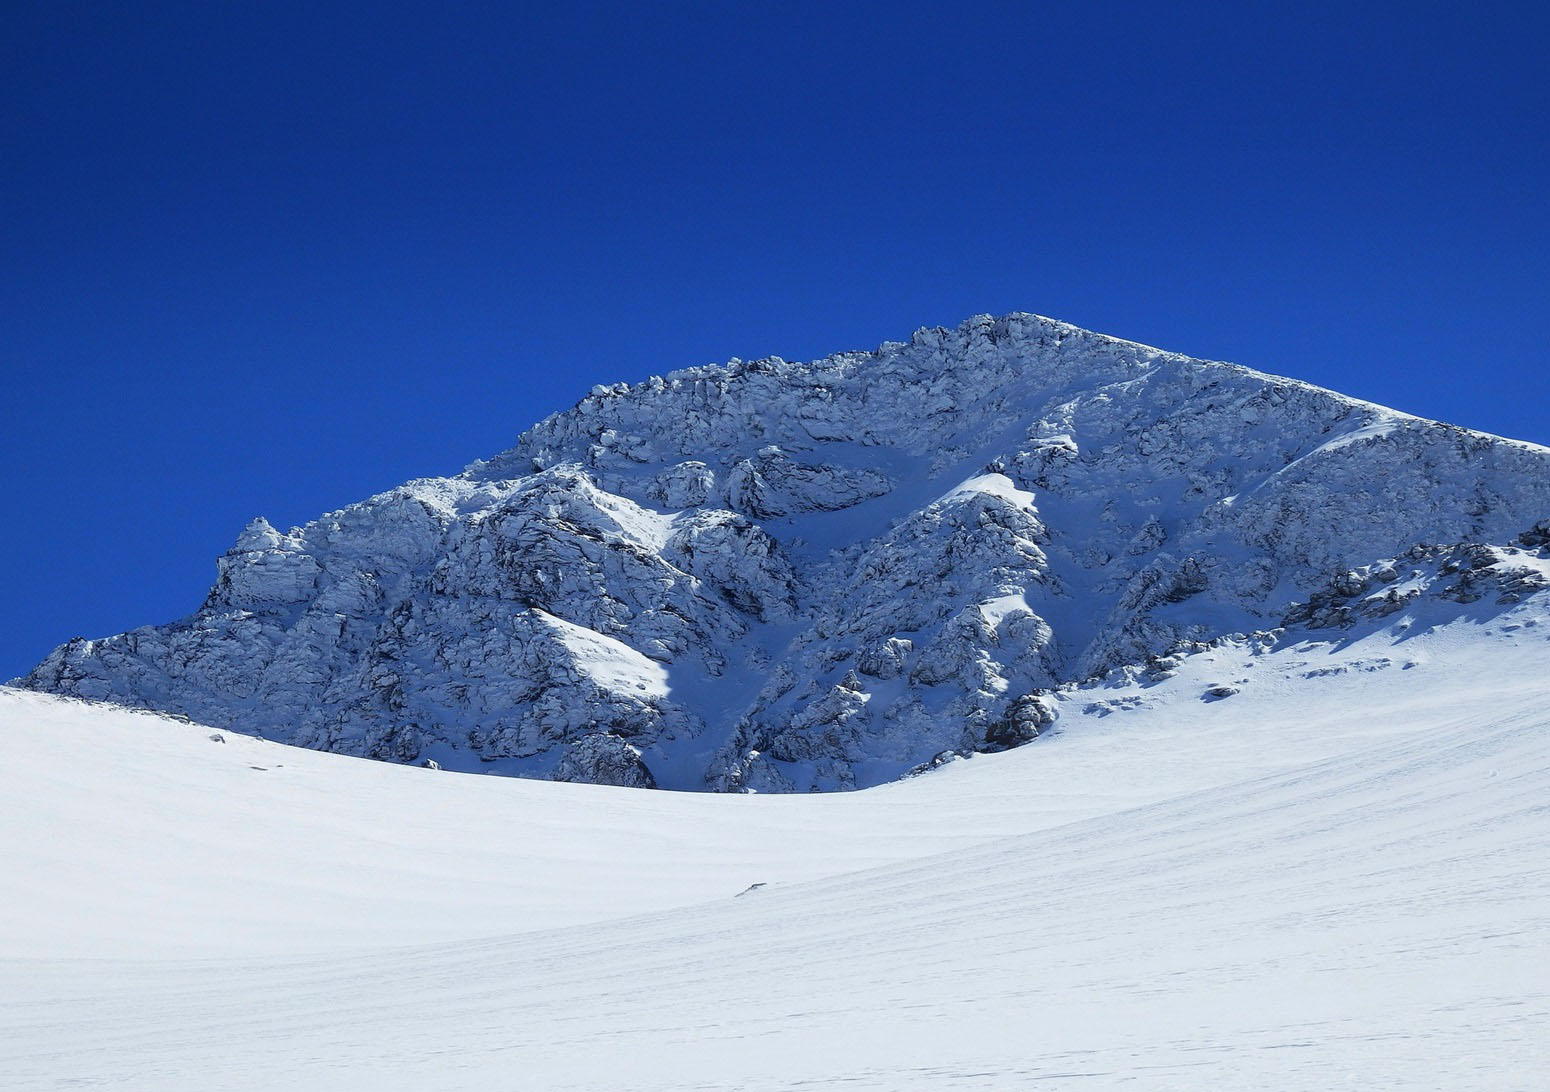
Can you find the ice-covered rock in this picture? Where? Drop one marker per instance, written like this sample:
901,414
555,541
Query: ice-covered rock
779,576
603,759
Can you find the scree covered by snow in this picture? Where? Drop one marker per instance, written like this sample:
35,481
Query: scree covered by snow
1317,862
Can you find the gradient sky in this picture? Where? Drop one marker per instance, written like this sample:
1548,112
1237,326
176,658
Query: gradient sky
274,257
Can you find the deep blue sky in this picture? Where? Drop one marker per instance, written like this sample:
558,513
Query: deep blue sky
273,257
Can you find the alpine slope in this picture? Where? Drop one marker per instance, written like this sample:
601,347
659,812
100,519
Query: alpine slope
771,576
1198,719
1302,864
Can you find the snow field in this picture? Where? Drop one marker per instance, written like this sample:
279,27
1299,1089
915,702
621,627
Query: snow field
1335,878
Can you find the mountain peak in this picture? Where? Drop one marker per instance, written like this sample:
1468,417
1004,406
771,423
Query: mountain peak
783,575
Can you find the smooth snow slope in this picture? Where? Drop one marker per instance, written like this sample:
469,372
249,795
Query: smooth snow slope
1335,878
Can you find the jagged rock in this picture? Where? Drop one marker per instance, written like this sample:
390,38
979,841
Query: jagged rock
684,485
603,759
772,484
265,569
1463,573
887,660
775,576
736,557
1020,724
1536,537
936,763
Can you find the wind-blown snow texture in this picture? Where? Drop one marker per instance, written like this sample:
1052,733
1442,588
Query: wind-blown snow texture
1333,878
779,576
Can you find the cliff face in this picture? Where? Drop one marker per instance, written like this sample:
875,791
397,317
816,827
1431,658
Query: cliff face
783,576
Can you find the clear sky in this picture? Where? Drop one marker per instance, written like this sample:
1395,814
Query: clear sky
274,257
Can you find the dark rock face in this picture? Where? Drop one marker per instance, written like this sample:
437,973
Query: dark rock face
783,577
1023,719
1536,537
603,759
1464,574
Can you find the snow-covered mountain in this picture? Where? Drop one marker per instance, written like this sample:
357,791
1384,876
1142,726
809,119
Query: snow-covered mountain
780,576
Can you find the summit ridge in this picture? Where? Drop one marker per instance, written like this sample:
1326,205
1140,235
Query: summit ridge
782,576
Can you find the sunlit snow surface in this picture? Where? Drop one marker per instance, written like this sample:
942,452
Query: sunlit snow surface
1338,877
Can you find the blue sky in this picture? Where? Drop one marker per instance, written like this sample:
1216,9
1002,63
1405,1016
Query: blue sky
271,258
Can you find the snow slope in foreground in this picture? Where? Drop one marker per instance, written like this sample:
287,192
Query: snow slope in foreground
1335,878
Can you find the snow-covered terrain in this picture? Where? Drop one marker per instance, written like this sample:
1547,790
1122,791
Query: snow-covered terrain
774,576
1315,861
1225,699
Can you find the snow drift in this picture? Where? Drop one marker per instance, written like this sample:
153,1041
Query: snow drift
1331,877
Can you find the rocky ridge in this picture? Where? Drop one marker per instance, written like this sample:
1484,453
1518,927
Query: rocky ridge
776,576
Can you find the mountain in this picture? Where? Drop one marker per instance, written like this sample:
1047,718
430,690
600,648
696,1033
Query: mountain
777,576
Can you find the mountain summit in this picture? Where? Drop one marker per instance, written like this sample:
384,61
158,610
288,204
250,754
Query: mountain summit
777,576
